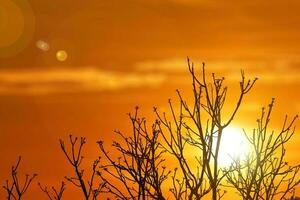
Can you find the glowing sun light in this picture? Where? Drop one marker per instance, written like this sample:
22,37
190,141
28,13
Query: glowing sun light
234,145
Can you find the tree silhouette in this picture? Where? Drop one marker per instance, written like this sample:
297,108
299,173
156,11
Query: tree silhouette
199,126
53,194
139,167
191,134
89,189
178,191
14,188
265,174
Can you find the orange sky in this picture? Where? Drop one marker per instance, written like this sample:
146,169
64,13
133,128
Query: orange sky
126,53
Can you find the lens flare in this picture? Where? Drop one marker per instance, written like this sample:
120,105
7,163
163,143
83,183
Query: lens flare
61,55
42,45
17,24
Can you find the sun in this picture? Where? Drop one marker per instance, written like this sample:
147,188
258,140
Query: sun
234,145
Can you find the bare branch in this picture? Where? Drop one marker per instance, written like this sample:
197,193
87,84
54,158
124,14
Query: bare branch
53,194
90,189
139,167
265,174
14,188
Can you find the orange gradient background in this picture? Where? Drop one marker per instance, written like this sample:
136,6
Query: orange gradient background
131,52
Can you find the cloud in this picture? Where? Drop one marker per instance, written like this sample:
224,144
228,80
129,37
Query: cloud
269,71
73,80
180,65
193,2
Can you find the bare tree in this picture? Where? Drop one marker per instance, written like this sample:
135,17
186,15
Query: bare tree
14,188
53,194
191,133
178,191
265,174
199,127
140,166
90,189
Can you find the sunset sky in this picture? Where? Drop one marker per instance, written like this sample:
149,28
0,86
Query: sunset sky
132,52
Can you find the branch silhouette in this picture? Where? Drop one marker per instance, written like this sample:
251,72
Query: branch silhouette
88,187
199,126
190,135
14,188
53,194
265,174
140,166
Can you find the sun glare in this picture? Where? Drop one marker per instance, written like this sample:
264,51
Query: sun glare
234,145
